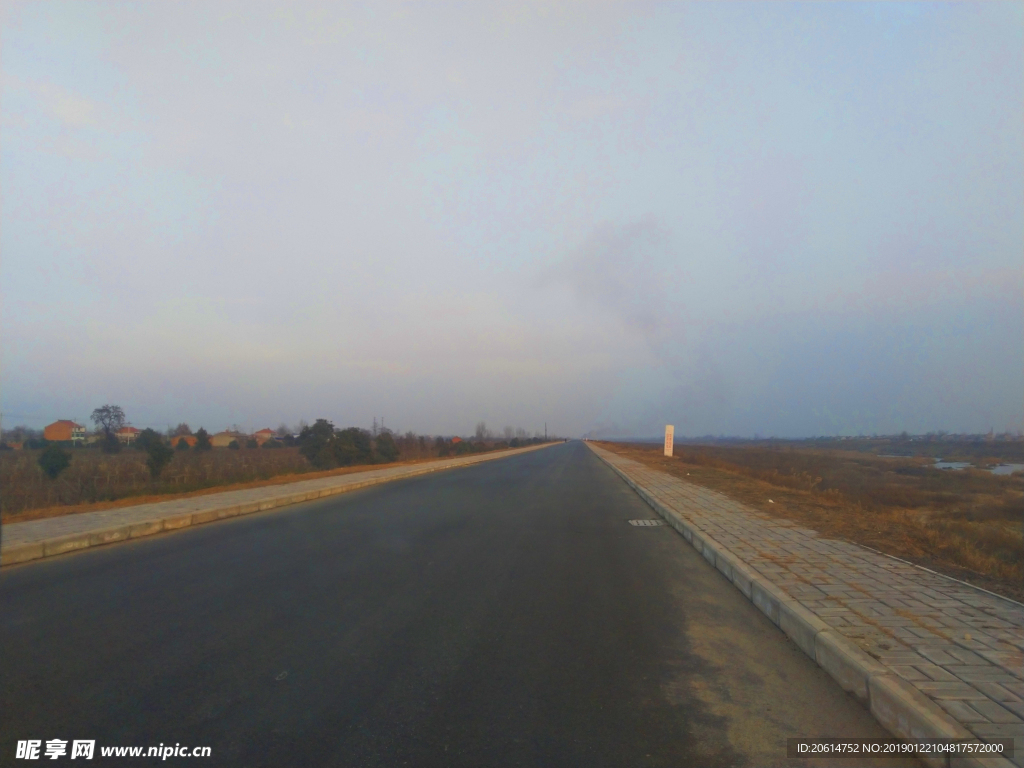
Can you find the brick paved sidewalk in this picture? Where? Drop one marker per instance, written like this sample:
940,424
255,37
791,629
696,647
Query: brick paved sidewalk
20,540
959,646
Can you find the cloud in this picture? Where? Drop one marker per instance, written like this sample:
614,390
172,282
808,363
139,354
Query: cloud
628,273
72,110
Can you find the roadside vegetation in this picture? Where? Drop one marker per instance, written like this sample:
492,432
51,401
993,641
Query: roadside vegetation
968,524
46,479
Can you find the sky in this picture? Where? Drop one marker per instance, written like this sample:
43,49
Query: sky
743,219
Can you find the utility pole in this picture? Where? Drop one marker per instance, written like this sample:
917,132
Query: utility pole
545,430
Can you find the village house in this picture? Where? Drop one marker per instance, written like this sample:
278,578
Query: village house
264,435
127,435
224,439
64,430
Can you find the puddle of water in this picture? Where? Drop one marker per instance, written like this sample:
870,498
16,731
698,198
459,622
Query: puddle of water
1002,469
939,464
1007,469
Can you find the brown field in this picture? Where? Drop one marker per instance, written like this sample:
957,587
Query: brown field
968,524
100,481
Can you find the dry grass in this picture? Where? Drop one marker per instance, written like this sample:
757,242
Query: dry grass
967,524
97,481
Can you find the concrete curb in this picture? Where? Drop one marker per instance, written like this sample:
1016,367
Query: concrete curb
899,707
38,550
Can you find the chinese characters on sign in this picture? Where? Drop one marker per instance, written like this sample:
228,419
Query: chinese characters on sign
670,433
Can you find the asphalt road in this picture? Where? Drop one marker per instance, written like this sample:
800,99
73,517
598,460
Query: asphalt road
501,615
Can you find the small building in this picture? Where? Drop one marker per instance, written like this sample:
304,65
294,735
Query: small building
224,439
456,440
128,435
264,435
190,440
64,430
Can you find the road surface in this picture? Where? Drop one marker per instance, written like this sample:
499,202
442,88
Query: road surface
501,615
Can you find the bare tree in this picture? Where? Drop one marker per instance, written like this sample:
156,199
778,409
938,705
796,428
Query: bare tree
108,420
509,433
181,429
482,432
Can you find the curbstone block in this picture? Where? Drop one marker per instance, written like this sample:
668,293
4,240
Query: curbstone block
709,553
723,563
205,516
847,664
22,553
800,625
176,522
697,541
743,579
767,598
109,536
65,544
147,528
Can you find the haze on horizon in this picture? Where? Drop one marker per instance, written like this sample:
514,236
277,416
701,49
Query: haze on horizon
785,219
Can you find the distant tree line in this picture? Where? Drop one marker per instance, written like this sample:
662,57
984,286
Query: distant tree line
322,444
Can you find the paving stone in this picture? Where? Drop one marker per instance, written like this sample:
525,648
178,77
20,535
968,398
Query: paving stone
1013,661
995,713
979,674
1015,687
963,712
908,672
965,657
997,692
961,691
937,655
937,673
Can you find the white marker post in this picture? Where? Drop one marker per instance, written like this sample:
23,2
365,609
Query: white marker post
670,433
